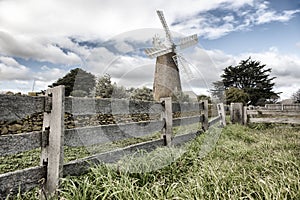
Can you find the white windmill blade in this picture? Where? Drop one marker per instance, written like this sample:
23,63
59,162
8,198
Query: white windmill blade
155,52
182,63
188,41
166,28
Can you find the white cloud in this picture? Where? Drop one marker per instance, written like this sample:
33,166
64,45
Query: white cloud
124,47
35,48
96,19
48,74
212,26
16,77
264,16
10,69
228,18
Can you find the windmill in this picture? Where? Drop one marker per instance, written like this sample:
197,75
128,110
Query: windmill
168,61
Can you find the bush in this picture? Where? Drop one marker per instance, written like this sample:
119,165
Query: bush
142,94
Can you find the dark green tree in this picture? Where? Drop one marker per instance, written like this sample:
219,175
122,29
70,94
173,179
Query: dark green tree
296,96
204,97
76,80
236,95
252,77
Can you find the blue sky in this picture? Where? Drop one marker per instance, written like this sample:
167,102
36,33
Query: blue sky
40,41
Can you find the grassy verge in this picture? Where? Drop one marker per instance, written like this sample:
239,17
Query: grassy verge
247,163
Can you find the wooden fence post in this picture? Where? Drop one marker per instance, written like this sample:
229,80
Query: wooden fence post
245,117
221,112
205,115
167,131
236,113
53,139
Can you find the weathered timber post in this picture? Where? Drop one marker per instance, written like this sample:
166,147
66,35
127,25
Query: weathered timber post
167,131
221,112
245,117
236,113
205,115
53,138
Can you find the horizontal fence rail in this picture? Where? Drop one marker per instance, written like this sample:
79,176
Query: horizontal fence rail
25,179
108,133
214,120
86,136
294,107
273,112
81,166
281,120
272,116
18,143
54,105
285,114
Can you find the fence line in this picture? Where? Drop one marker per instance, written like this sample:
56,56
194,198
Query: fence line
290,107
55,137
245,115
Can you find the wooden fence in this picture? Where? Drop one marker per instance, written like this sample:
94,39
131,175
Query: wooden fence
285,114
54,136
289,107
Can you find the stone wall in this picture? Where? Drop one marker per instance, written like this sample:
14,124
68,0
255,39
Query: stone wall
35,121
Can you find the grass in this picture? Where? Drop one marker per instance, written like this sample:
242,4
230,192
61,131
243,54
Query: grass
261,162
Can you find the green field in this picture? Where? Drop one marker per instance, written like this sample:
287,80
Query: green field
261,162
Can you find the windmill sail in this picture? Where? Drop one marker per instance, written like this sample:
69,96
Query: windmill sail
155,52
166,28
188,41
182,63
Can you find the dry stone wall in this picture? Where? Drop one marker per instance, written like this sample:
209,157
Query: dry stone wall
35,121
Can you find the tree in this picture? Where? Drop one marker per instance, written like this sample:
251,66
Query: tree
179,96
251,77
296,96
235,95
104,87
119,92
218,93
79,93
204,97
143,94
77,79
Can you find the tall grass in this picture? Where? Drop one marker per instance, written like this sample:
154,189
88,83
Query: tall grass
246,163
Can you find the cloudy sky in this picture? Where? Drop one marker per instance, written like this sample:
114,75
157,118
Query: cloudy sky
40,41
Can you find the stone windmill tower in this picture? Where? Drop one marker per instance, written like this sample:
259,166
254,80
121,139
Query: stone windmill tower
166,77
